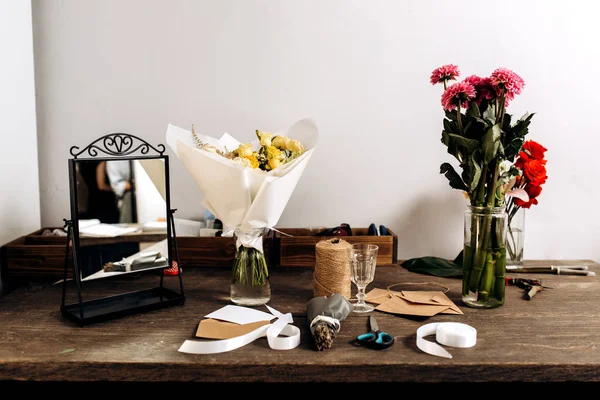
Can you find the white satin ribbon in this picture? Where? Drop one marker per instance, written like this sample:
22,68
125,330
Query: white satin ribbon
447,333
328,320
290,340
246,237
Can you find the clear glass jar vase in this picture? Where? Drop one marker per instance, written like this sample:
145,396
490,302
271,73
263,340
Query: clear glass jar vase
515,237
484,257
250,284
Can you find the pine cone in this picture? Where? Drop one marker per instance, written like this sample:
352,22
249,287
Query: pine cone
323,335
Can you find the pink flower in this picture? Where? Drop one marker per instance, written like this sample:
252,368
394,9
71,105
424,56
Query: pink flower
459,93
506,81
444,73
483,86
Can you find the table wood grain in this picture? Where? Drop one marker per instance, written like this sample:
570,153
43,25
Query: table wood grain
555,337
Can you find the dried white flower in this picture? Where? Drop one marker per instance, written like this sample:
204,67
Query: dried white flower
209,148
504,167
243,162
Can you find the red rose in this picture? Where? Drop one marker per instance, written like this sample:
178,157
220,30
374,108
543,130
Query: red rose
534,149
520,162
535,172
533,191
524,158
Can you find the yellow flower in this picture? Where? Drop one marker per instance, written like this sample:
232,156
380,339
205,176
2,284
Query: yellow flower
253,160
244,150
280,142
265,138
294,146
274,163
273,153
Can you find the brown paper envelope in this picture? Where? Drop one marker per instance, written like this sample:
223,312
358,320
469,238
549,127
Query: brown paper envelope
419,297
452,311
397,305
443,299
378,296
435,298
214,329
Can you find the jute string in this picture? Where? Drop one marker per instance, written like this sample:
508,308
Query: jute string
332,268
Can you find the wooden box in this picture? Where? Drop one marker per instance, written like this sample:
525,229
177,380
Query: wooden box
199,251
299,250
35,257
38,257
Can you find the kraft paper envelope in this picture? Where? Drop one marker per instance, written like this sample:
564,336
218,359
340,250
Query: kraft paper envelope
215,329
431,298
421,303
397,305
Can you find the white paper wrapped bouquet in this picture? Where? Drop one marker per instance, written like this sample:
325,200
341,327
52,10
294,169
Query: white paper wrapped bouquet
247,186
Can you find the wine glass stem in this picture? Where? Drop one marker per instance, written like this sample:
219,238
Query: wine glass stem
361,295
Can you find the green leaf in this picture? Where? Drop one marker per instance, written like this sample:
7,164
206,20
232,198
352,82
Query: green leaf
506,122
466,173
468,127
527,117
451,126
451,115
521,127
491,143
473,110
476,130
65,351
483,121
490,114
475,170
513,148
484,105
454,179
470,144
447,125
445,137
434,266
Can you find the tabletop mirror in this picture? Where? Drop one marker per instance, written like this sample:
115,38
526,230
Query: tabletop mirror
121,224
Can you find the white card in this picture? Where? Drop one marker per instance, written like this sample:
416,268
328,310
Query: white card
239,315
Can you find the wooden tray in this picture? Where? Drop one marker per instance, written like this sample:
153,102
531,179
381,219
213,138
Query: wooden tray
299,250
198,251
34,257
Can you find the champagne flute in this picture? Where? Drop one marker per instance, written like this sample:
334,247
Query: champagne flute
363,258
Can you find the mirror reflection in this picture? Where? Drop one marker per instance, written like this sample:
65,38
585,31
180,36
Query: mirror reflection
121,216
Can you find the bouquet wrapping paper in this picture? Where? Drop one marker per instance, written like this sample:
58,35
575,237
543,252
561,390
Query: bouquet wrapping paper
243,198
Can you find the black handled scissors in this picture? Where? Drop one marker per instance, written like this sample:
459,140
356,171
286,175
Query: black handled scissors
375,339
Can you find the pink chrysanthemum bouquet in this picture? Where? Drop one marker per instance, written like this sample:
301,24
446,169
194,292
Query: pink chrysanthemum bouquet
481,135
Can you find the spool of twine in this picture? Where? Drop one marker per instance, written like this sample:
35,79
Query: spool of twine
332,269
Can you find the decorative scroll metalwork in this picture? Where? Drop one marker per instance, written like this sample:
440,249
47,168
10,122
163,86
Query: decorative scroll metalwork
117,144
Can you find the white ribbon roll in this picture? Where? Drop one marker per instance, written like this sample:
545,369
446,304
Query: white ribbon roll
452,334
290,340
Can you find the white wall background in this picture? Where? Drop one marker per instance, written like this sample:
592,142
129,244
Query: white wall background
19,181
360,69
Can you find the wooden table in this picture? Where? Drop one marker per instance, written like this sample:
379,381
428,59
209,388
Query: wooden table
553,338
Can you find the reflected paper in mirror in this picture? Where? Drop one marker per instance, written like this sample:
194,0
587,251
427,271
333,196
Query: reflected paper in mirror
121,216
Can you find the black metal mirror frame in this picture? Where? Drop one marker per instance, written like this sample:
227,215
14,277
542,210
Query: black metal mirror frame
118,146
